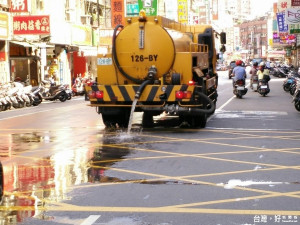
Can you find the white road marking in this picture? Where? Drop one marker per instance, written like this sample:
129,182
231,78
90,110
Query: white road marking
11,117
248,114
90,220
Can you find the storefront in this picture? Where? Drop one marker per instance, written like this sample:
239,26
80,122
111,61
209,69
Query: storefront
24,62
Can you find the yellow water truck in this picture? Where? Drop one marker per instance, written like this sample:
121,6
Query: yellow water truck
162,66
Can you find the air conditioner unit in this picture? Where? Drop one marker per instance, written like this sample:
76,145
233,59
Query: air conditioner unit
70,16
86,19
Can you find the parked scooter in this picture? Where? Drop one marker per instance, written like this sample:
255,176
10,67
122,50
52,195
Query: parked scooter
78,86
296,97
239,88
4,104
23,94
290,80
52,92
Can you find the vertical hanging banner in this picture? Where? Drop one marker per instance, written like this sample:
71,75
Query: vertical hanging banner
19,6
215,13
150,7
282,26
117,12
182,11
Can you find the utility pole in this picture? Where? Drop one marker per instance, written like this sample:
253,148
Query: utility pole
98,12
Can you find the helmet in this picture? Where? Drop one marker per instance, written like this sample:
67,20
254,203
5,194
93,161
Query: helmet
255,64
239,62
262,64
18,79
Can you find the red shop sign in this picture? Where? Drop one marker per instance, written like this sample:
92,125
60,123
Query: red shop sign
19,6
31,25
295,2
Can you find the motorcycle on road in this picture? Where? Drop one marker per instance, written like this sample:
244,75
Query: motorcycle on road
263,87
239,88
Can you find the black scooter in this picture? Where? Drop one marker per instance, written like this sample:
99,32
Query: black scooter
239,88
53,92
263,87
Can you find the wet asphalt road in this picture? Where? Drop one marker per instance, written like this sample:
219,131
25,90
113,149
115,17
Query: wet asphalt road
62,167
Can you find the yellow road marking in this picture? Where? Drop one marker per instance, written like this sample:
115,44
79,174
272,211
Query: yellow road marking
73,208
182,208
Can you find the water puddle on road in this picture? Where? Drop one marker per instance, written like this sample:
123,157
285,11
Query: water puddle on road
39,168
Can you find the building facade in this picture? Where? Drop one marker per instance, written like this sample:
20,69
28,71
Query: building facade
42,38
254,37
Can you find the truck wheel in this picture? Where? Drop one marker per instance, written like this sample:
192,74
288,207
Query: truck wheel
197,121
120,119
147,120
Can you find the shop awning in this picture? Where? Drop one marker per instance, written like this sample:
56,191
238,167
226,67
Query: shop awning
43,45
87,50
25,44
37,45
277,52
275,56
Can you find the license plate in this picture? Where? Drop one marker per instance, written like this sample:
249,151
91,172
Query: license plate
240,88
264,86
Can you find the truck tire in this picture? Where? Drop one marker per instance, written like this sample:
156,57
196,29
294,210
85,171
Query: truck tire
197,121
147,120
116,120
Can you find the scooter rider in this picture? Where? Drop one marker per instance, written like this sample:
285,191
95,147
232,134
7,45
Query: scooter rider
263,73
253,72
239,72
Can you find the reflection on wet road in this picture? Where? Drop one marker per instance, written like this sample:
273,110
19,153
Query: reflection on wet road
91,172
244,167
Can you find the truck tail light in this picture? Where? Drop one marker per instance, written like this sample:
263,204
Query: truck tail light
179,94
92,94
99,94
187,94
191,82
183,94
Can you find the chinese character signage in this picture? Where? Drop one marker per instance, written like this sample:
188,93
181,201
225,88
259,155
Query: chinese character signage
183,11
276,38
294,28
150,7
132,10
117,11
286,38
283,5
282,26
19,6
33,25
3,25
295,2
292,16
